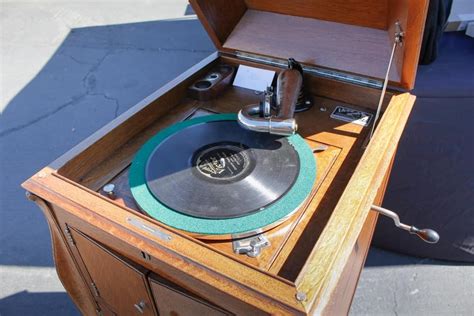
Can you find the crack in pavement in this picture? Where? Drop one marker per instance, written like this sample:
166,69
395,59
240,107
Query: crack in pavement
395,304
93,69
89,83
74,59
42,117
105,96
74,101
59,108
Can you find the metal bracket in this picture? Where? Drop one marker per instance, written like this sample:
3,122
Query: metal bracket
140,307
399,33
251,246
152,230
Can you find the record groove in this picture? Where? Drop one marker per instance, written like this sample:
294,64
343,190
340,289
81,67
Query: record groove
219,170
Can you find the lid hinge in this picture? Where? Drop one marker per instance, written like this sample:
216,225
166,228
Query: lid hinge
398,41
95,290
67,232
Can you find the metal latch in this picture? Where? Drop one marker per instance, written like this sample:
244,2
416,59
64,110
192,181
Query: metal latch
251,246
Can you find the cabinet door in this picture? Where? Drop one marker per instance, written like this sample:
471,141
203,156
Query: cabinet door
119,284
175,301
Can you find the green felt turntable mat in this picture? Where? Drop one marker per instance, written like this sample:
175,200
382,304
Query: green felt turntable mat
275,212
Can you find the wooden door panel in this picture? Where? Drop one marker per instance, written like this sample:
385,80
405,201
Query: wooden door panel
118,283
174,301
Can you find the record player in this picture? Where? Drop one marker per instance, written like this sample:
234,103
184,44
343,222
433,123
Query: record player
207,198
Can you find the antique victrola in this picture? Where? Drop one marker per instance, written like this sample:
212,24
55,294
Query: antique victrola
180,206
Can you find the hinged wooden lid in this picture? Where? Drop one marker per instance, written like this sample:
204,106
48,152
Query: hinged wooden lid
351,36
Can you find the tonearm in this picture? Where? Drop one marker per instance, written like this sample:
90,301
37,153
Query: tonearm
258,118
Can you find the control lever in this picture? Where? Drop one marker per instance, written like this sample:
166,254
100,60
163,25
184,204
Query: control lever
428,235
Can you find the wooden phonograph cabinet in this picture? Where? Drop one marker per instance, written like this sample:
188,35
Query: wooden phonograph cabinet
121,250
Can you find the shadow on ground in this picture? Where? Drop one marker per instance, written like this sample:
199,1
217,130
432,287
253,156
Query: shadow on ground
31,304
432,180
96,74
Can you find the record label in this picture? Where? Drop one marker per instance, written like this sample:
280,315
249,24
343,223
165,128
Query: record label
223,161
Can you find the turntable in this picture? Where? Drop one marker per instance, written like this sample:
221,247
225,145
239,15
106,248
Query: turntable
207,198
210,177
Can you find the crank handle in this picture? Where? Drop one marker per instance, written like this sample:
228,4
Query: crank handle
428,235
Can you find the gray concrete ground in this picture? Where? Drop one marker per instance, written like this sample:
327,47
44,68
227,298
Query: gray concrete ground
67,68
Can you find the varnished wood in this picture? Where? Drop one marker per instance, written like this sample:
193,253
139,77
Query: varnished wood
343,294
350,48
308,253
171,300
226,73
192,262
120,284
332,249
412,16
352,36
65,263
219,17
367,13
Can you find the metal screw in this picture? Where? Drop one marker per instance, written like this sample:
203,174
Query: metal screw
323,109
300,296
109,190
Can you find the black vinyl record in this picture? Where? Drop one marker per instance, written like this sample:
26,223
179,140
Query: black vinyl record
219,170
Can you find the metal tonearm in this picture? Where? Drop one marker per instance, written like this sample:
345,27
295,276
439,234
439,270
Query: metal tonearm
254,118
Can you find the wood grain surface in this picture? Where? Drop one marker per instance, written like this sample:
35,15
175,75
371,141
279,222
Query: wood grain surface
353,36
66,263
367,13
332,250
308,256
354,49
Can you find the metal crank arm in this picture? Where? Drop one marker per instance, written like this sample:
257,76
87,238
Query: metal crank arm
426,234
